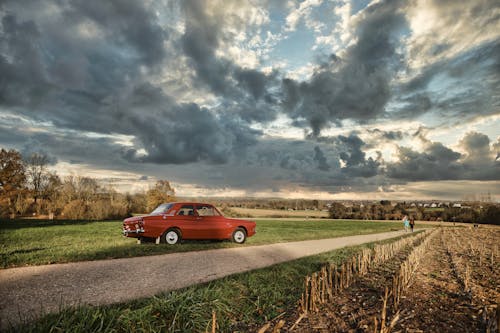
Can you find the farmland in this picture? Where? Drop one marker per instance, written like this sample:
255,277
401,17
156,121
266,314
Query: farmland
260,212
443,281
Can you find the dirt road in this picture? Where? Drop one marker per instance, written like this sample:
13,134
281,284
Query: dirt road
29,292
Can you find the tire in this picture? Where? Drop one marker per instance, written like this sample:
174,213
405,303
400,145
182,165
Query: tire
171,237
239,236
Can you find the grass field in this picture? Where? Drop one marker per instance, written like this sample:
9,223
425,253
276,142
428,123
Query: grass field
255,212
37,242
241,302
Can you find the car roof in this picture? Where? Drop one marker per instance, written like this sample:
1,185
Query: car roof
189,203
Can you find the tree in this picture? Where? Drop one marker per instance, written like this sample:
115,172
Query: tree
337,210
41,181
162,192
491,214
12,180
52,195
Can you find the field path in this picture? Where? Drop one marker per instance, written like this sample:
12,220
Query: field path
29,292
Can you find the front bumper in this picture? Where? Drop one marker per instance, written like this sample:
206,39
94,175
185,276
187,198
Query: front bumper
136,232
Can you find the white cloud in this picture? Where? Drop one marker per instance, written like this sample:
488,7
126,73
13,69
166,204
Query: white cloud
303,11
443,30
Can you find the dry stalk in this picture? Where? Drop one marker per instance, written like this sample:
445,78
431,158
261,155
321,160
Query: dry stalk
467,278
400,282
214,321
322,286
278,326
264,328
298,321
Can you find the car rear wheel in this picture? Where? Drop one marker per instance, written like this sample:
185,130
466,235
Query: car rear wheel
172,236
239,236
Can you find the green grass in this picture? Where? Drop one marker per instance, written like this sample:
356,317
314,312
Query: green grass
242,302
38,242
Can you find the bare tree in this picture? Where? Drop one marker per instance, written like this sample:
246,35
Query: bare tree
12,180
38,174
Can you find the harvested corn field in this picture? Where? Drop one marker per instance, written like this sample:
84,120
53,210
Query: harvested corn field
437,281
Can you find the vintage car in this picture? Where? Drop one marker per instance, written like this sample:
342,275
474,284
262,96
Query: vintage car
172,222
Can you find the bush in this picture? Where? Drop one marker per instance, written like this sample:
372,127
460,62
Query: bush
490,214
75,210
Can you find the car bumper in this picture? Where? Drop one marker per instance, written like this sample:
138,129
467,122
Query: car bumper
132,232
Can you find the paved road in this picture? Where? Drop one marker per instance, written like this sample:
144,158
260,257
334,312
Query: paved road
28,292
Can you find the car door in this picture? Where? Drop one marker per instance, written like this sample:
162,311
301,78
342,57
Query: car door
209,222
187,222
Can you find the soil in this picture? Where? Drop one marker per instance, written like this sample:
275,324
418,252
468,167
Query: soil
454,289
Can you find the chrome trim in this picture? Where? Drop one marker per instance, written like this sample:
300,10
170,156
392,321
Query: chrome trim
136,231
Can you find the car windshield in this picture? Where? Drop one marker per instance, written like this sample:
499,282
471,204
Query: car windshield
161,209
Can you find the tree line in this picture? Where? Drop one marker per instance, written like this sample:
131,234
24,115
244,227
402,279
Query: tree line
28,187
385,210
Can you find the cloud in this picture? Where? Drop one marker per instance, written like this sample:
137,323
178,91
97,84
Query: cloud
101,88
23,80
321,159
438,162
194,85
357,87
456,89
180,133
202,37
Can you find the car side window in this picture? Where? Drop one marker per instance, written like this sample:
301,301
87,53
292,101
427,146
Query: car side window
206,210
187,210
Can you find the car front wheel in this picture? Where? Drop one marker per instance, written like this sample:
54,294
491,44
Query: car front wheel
172,236
239,236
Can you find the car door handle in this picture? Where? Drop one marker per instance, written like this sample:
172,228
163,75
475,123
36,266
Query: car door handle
198,218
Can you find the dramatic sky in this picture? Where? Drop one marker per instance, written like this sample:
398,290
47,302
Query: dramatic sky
347,99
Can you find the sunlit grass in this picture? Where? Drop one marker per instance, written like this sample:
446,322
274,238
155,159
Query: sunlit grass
34,242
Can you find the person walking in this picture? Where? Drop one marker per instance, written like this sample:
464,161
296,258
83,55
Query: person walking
412,223
406,223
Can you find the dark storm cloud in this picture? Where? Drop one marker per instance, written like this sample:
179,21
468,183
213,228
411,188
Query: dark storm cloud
320,158
181,133
95,81
385,135
23,79
357,87
476,70
199,42
131,25
438,162
69,146
480,161
50,66
356,163
248,88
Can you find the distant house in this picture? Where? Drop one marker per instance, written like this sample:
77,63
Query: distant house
457,205
434,205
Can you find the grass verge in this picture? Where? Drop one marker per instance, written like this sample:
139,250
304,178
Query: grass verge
38,242
242,302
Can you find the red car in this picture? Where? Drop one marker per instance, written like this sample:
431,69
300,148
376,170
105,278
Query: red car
171,222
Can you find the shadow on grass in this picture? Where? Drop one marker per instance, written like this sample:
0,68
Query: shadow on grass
24,251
